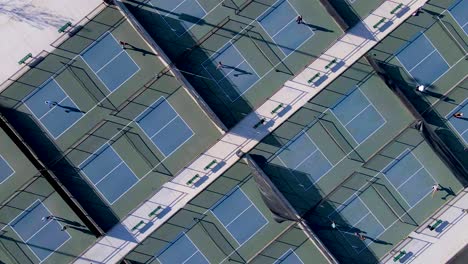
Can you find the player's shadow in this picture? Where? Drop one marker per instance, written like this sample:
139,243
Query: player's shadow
238,70
70,109
67,222
143,52
318,28
429,92
447,190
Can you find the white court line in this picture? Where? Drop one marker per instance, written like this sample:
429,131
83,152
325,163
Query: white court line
423,59
272,37
39,118
371,212
432,44
107,174
186,29
97,72
370,103
161,129
90,157
353,225
225,76
184,234
9,166
25,242
456,20
360,112
286,254
441,75
53,107
198,250
226,226
307,157
411,176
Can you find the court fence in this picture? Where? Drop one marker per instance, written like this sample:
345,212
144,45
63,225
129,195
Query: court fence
51,178
170,66
280,207
334,13
436,143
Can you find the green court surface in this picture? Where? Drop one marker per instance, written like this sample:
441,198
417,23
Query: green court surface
439,45
98,132
259,44
26,197
227,222
352,157
15,168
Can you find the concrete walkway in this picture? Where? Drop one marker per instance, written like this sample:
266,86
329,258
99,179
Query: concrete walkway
138,225
31,26
440,244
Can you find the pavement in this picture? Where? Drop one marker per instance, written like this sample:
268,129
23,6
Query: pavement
31,26
440,244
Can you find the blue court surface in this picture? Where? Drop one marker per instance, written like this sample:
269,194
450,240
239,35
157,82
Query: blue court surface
239,216
109,173
56,119
182,250
459,12
357,217
279,21
43,237
409,177
460,125
110,62
186,13
164,126
302,155
422,60
5,170
236,76
289,257
358,115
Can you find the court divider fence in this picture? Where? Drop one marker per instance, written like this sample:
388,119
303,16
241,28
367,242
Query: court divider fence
51,178
426,131
170,66
280,207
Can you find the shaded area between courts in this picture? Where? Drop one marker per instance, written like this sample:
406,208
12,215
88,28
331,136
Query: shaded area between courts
237,53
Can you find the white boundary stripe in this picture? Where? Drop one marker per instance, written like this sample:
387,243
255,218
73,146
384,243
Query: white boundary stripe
272,37
220,201
307,157
53,78
370,104
25,242
411,176
97,72
423,59
449,66
271,69
286,254
344,205
9,166
186,29
161,129
405,152
456,20
105,176
184,234
449,116
225,76
39,118
432,44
